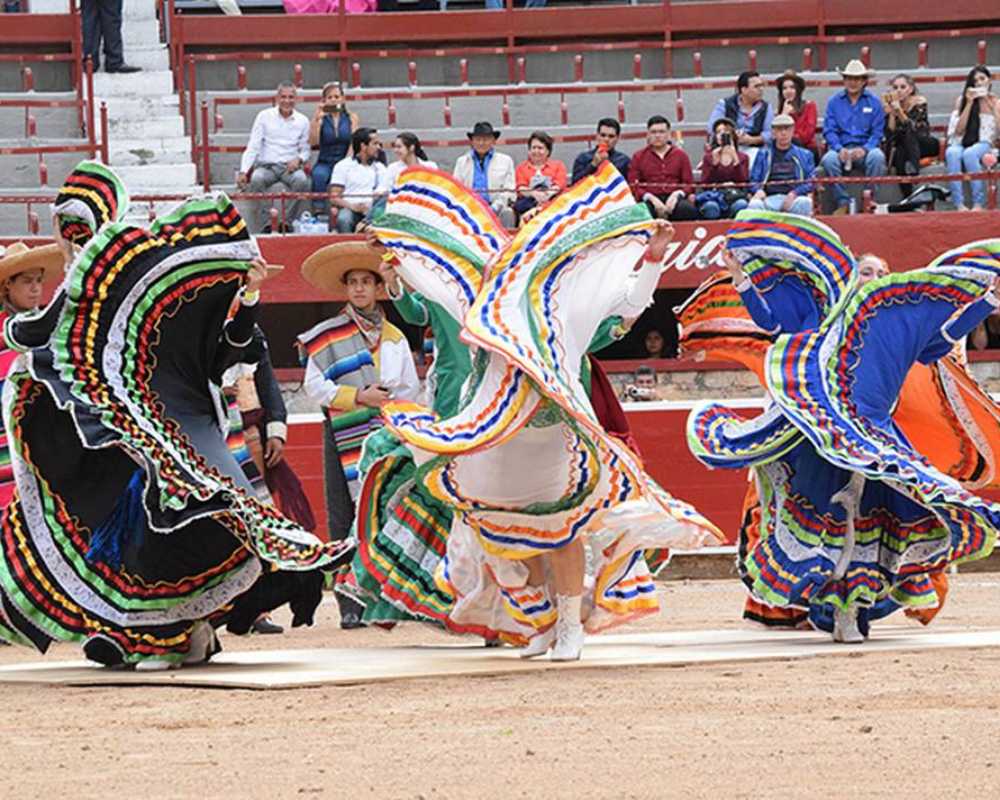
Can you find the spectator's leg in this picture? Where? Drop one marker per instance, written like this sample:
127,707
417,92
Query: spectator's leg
803,206
710,210
737,206
495,4
111,31
833,168
757,204
263,178
773,202
522,206
506,214
90,14
321,183
534,3
875,168
953,162
684,210
972,160
298,181
347,220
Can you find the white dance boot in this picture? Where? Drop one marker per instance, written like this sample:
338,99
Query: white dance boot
539,644
569,629
845,626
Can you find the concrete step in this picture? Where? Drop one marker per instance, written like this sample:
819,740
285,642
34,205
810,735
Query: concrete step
150,150
138,128
140,32
157,177
152,57
49,6
148,83
137,9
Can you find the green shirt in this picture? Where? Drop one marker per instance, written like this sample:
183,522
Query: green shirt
452,364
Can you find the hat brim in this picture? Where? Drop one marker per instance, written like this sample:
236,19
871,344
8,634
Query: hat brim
48,258
327,268
866,74
496,135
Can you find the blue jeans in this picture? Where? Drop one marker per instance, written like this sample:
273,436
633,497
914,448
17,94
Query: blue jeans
348,220
320,183
496,4
966,159
802,205
711,209
832,166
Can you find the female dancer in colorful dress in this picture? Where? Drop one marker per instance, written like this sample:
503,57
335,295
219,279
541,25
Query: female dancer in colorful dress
132,528
525,465
854,523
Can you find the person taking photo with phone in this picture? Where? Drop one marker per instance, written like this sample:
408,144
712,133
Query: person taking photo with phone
972,131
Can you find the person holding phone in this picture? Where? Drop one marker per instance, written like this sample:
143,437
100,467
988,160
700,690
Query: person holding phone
791,87
330,130
907,136
723,163
972,130
355,363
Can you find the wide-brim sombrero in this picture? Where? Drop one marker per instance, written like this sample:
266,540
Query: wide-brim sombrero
327,268
19,257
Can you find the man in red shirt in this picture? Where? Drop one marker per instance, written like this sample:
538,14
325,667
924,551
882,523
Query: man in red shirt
660,174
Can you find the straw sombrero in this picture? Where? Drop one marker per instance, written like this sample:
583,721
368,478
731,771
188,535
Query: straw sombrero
327,268
20,258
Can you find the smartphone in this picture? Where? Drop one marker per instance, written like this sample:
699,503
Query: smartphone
980,91
330,108
726,139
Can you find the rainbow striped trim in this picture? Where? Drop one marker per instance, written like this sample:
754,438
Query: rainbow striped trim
91,197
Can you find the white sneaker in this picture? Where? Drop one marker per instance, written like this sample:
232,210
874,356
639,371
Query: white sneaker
156,665
569,629
539,644
845,626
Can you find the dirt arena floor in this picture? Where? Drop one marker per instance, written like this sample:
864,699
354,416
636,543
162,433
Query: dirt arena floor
874,726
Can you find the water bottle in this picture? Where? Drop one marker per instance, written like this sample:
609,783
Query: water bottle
852,206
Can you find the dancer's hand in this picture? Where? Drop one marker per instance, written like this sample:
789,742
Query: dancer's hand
371,237
256,276
390,277
274,451
663,235
733,266
373,396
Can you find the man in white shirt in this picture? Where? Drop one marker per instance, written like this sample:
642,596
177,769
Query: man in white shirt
488,172
356,180
277,153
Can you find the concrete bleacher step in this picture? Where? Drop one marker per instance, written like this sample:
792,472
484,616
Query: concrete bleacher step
137,10
147,129
150,57
149,83
160,177
140,33
149,150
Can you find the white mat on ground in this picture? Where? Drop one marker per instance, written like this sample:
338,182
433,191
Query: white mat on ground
286,669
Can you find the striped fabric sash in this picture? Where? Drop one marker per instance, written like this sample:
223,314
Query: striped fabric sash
340,352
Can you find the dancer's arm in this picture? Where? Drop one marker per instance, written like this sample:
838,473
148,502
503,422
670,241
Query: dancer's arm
646,275
760,312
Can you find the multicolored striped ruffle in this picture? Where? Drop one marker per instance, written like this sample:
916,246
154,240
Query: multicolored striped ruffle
92,196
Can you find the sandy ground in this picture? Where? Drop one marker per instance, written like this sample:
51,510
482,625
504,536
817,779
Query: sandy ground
878,725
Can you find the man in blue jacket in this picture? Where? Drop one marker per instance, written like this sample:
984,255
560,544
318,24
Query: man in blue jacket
781,172
852,128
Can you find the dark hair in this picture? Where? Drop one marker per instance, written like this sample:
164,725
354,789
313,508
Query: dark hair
645,370
971,135
542,137
609,122
743,81
657,119
360,138
412,142
713,140
800,87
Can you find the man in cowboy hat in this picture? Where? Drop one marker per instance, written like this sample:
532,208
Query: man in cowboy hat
852,128
355,363
488,172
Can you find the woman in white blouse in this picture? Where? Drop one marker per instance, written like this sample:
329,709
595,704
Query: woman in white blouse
972,131
409,153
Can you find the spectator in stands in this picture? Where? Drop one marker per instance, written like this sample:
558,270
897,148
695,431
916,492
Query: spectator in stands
608,131
539,178
488,171
723,164
853,127
660,174
409,153
643,388
330,130
972,130
654,344
101,20
780,178
748,109
791,88
277,152
356,181
987,335
907,136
